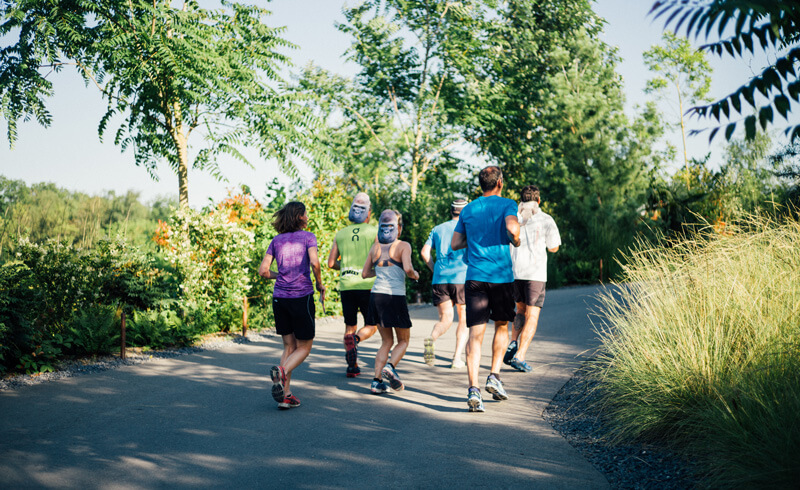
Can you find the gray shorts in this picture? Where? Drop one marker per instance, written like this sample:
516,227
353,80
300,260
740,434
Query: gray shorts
529,292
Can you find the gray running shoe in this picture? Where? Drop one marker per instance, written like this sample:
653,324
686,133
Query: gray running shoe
495,387
520,365
379,387
428,352
390,374
474,400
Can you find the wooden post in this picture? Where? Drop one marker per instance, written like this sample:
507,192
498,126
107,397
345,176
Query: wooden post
601,270
122,340
244,318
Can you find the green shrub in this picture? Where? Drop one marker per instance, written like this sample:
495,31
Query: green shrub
702,350
95,330
19,304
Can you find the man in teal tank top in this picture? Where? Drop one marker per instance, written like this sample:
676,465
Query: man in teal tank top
350,249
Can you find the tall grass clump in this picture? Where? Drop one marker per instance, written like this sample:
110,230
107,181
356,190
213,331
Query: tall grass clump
701,350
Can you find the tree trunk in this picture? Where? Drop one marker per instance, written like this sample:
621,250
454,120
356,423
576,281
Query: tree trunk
182,144
683,135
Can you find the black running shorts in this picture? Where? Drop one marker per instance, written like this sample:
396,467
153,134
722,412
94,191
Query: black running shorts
388,311
489,301
353,301
295,316
529,292
448,292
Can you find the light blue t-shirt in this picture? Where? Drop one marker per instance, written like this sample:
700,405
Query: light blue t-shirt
483,223
450,267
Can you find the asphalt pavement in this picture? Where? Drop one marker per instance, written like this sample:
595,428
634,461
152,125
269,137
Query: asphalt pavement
207,420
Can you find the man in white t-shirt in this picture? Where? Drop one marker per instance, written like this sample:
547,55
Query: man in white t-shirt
538,235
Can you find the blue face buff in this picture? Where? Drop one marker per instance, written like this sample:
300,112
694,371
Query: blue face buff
388,227
358,213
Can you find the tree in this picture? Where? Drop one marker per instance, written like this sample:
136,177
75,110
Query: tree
684,68
775,25
167,71
549,108
394,115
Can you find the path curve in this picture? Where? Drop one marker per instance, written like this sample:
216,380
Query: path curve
208,420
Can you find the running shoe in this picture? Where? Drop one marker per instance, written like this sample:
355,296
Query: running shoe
428,353
520,365
379,387
350,350
495,387
474,400
510,352
390,374
278,382
457,364
290,401
354,371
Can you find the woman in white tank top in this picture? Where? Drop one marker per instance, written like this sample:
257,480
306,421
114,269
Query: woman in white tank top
389,261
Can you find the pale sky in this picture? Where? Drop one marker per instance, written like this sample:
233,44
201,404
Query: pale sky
70,154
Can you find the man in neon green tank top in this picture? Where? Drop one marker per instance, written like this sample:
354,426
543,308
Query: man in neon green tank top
350,249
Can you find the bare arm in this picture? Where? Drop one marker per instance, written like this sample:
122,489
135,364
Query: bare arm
459,241
333,257
369,269
425,253
263,269
553,250
512,230
313,258
408,266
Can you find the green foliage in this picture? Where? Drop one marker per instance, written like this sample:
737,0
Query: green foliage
18,299
213,258
55,298
701,350
394,120
162,327
226,84
549,107
44,211
681,70
95,330
774,25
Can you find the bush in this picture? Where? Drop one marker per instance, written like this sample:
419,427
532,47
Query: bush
702,351
95,330
19,301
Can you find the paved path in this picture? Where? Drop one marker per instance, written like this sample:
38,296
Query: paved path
208,420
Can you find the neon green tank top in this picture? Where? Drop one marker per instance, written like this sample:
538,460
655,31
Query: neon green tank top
354,243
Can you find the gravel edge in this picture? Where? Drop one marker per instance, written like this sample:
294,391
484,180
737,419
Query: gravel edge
635,465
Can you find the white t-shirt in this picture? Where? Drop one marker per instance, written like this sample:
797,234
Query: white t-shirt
536,236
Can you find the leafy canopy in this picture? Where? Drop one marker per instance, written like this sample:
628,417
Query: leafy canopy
166,72
769,25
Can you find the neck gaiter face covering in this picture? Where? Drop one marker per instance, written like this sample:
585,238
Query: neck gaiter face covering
358,213
388,227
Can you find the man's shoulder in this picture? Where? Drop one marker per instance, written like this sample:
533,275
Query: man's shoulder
448,225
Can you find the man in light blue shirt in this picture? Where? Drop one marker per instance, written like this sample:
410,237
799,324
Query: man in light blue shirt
449,274
485,228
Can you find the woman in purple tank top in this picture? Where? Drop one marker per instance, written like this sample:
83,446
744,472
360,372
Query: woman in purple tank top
295,254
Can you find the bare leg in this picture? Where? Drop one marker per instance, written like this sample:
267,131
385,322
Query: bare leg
403,336
462,333
366,332
528,331
445,319
387,339
499,344
291,360
519,321
474,352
